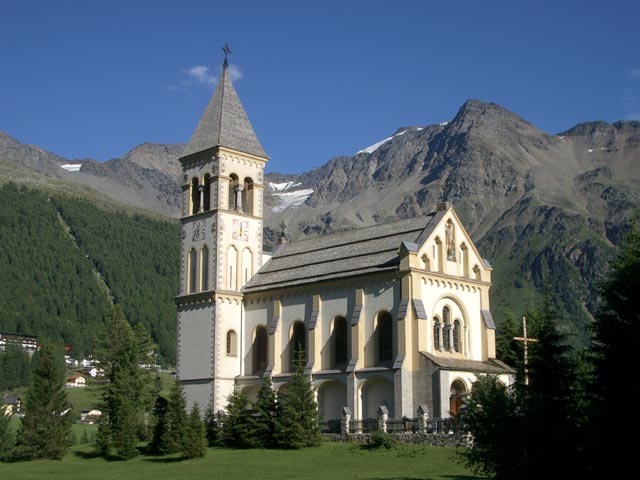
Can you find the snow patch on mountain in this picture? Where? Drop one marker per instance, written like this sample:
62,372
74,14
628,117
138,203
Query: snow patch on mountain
288,195
375,146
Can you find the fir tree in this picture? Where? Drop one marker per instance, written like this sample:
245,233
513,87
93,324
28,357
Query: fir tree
266,414
213,430
7,437
126,396
194,441
551,426
159,426
238,427
297,426
616,378
46,427
495,419
175,421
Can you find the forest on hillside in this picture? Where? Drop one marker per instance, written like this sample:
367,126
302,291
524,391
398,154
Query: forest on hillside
63,261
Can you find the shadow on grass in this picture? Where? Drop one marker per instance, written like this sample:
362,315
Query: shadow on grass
452,477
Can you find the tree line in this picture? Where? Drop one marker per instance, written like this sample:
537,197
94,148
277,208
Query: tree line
64,261
574,415
134,411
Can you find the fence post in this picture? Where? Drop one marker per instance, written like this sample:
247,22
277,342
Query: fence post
383,416
345,418
423,418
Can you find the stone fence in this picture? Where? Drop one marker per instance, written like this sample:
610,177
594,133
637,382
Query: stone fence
419,430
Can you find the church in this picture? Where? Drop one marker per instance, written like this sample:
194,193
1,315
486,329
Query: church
393,315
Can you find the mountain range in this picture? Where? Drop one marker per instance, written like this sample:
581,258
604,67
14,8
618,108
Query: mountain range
547,210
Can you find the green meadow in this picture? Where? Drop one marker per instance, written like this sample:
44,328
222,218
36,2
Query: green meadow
330,460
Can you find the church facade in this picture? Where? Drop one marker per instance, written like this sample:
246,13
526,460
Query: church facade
393,315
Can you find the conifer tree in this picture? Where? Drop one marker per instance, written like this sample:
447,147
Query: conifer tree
126,396
213,427
551,424
266,414
175,421
45,431
614,423
297,426
194,441
238,427
7,437
159,425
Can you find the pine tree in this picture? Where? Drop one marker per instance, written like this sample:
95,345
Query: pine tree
194,441
551,425
507,349
159,426
46,427
266,414
213,428
175,421
616,379
7,437
125,397
494,416
297,426
238,427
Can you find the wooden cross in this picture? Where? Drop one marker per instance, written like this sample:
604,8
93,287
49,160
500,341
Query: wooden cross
524,339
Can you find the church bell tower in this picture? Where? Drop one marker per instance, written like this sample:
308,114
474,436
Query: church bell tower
221,247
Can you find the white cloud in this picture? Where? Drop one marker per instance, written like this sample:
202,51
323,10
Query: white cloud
634,73
201,74
234,72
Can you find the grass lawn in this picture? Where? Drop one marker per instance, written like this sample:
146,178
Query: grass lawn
331,460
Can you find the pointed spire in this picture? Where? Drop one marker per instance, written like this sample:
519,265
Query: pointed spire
224,122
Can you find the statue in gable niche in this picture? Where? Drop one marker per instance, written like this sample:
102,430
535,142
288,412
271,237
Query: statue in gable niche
451,241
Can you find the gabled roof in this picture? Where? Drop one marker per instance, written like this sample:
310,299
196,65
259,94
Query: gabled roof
224,123
366,250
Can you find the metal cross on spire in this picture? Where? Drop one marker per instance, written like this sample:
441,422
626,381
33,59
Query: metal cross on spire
226,51
524,339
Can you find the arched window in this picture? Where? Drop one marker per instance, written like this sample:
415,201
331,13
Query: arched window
438,256
340,342
298,344
206,197
232,344
233,188
465,260
204,267
456,336
436,333
260,346
232,261
385,337
247,196
446,321
195,196
192,265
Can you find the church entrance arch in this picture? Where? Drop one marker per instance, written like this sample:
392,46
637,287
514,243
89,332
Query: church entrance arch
374,393
332,396
457,393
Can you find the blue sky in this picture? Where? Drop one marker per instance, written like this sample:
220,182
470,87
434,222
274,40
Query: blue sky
318,79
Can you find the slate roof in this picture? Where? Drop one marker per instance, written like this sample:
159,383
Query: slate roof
355,252
491,365
224,123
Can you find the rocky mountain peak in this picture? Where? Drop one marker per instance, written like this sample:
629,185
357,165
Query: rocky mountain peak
7,140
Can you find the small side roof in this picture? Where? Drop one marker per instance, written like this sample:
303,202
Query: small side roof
491,365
